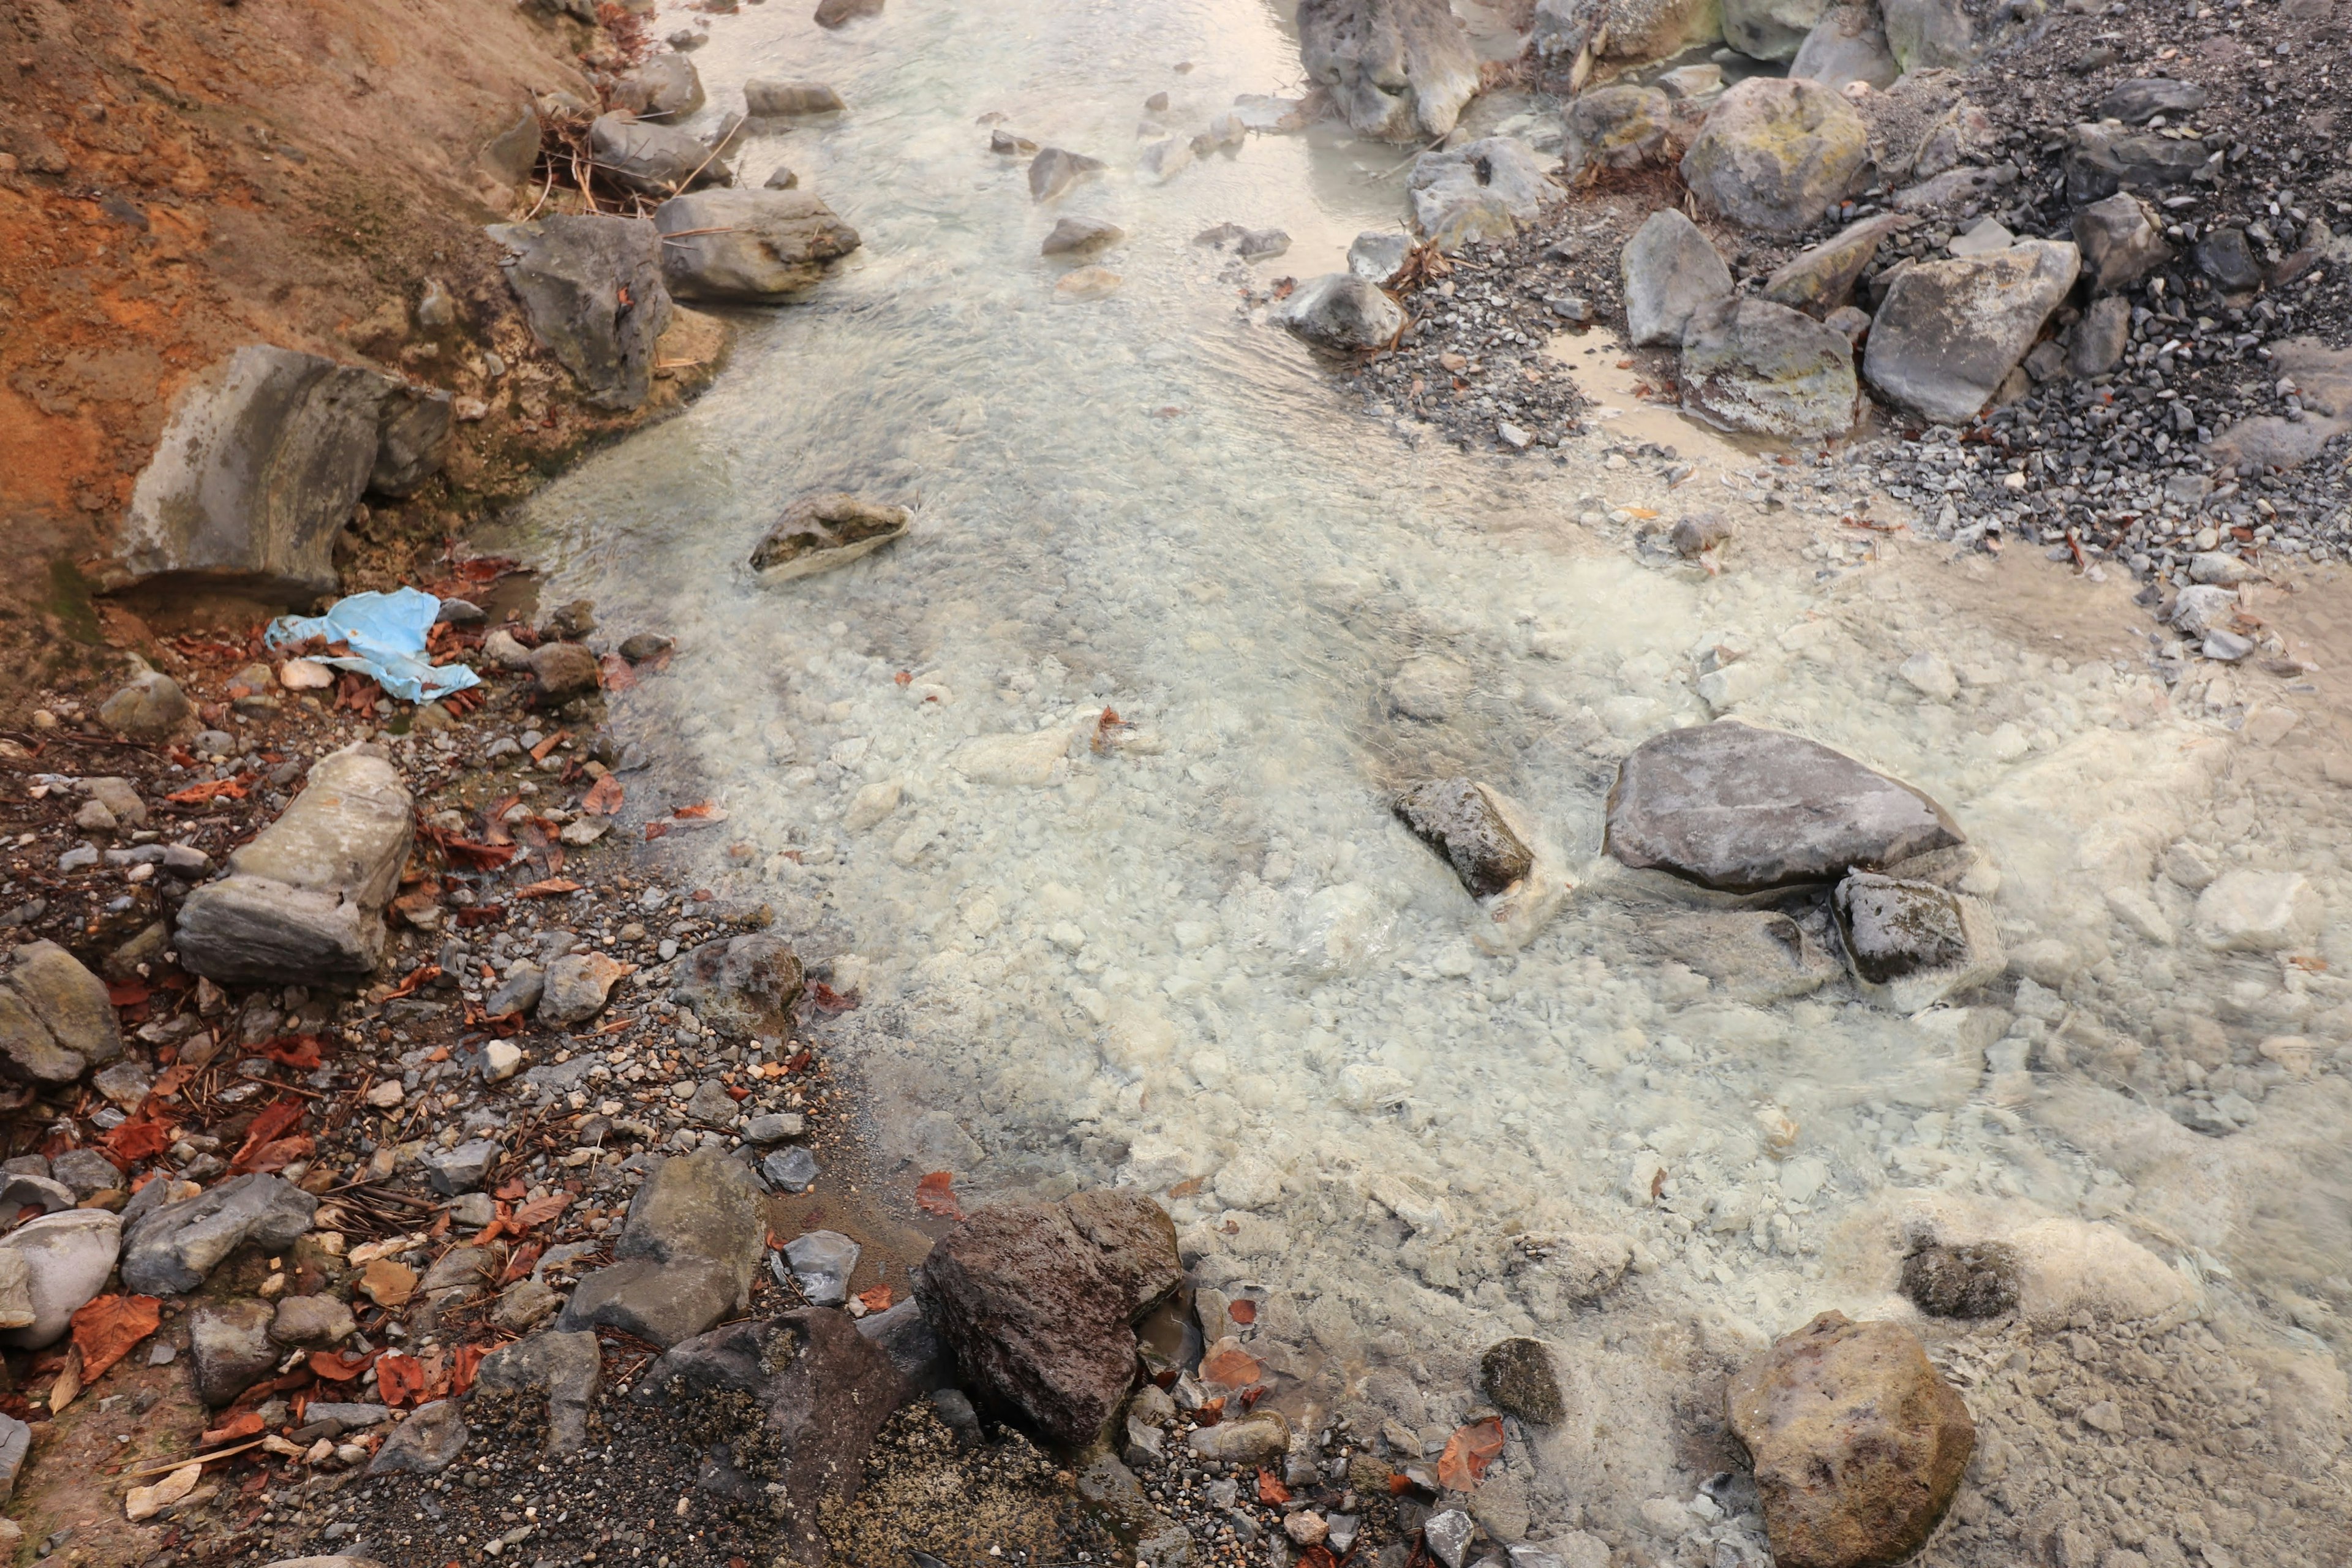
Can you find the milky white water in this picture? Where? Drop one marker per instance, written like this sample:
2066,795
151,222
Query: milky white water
1207,961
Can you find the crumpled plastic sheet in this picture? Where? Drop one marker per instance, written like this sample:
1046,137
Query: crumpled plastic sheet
385,633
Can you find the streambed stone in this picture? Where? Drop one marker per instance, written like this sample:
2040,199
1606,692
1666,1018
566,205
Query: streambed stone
592,289
1776,153
1670,271
1459,818
819,533
1342,312
688,1251
1750,364
1400,70
170,1250
1483,190
742,246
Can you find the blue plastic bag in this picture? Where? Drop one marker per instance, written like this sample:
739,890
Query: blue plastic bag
385,633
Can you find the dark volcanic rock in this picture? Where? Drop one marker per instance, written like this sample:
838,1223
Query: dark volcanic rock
1973,1282
1458,818
1519,1375
592,287
2136,102
1893,927
743,986
1744,810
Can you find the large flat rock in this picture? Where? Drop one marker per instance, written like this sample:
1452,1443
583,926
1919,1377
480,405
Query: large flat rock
592,287
748,247
1950,332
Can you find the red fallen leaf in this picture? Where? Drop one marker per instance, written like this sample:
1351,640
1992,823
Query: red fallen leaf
699,810
468,1362
1270,1489
603,796
274,1121
521,1263
798,1061
935,1194
106,1328
512,1191
831,1000
1317,1557
129,992
877,1299
1244,1312
614,673
1398,1485
331,1365
249,1425
1232,1367
481,857
400,1379
540,1211
656,830
280,1153
480,914
738,1095
292,1050
141,1138
416,977
903,677
552,887
1468,1453
1211,1412
196,794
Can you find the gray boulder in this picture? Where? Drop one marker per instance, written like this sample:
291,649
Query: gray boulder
262,458
2119,241
767,244
1770,29
1776,153
304,901
150,706
650,159
56,1022
1931,34
1845,46
666,87
1481,190
821,1262
1750,365
2138,101
2100,162
1056,170
772,100
66,1258
169,1250
411,436
741,987
565,1370
231,1345
509,156
1400,70
1743,810
1619,127
1913,944
1459,818
85,1172
518,994
2097,343
1342,312
819,533
1670,271
1821,278
576,987
1950,332
688,1254
1080,236
2225,257
1375,255
426,1443
593,290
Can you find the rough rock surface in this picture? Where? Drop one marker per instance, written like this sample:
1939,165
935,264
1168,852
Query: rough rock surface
743,986
1397,69
653,160
1670,271
576,987
230,1342
1056,170
1458,818
819,533
1519,1375
1742,810
1483,190
1845,46
426,1443
1619,127
1858,1444
2101,161
688,1251
1776,153
788,100
412,435
1976,1279
1821,278
56,1022
66,1257
1950,332
2120,242
169,1250
1038,1310
1930,34
1770,29
1750,365
304,901
565,1370
767,244
664,87
1342,312
593,290
150,706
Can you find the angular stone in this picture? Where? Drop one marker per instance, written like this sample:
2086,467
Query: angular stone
1483,190
748,247
1256,1438
1821,278
2254,911
1745,810
1519,1375
563,670
819,533
1056,170
426,1443
2100,162
1858,1444
904,1336
1670,271
1080,236
1770,29
650,159
1375,255
66,1258
592,287
16,1443
688,1251
1400,70
55,1021
1847,46
1343,313
741,987
2119,241
664,87
576,987
821,1263
1621,127
1978,1281
1459,819
1039,1316
1950,332
1776,153
412,435
1931,35
1750,364
789,99
170,1250
22,1190
2138,101
2225,257
2097,343
312,1320
462,1169
85,1172
565,1370
230,1341
793,1170
518,994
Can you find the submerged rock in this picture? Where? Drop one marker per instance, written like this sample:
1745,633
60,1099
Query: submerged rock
1913,944
748,247
1750,365
768,98
819,533
1776,153
1400,70
1950,332
1858,1443
1670,271
1459,818
741,987
1342,312
1975,1281
1054,170
1080,235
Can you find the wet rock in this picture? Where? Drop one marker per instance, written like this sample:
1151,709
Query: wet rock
769,99
303,902
66,1258
576,987
565,1370
1460,819
741,987
1342,312
230,1341
2097,341
1845,46
1976,1281
1750,365
412,435
426,1443
1483,190
563,670
1821,278
1950,332
748,247
1257,1438
1400,70
1776,153
1742,810
1261,244
2256,911
1037,1304
1912,944
1858,1444
2138,101
824,1391
1164,158
56,1022
592,287
1770,29
2100,162
1375,255
904,1336
1670,271
664,87
2225,256
821,1263
312,1320
1518,1373
1056,170
170,1250
1621,127
653,160
686,1256
841,13
819,533
1750,955
2120,242
463,1169
1080,236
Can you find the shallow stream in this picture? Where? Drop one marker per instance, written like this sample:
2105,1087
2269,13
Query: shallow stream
1203,957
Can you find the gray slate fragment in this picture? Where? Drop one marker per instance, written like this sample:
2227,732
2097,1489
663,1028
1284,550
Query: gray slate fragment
462,1169
574,274
170,1250
748,247
821,1263
230,1341
566,1370
426,1443
1670,271
688,1251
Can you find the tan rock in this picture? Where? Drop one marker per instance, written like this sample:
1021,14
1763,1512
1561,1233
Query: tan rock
388,1282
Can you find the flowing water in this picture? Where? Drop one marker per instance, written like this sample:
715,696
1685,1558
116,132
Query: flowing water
1202,958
